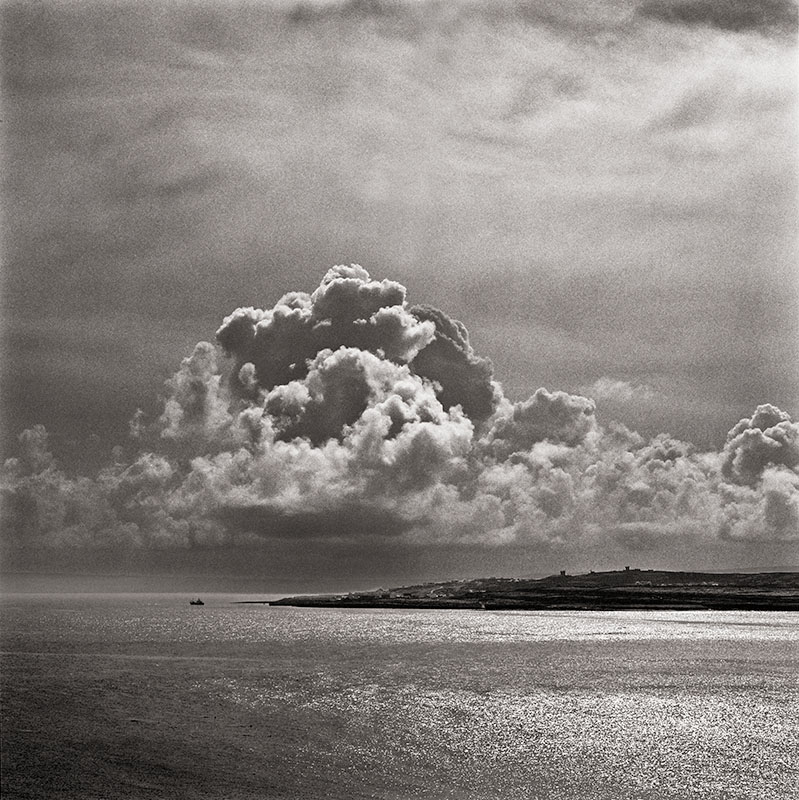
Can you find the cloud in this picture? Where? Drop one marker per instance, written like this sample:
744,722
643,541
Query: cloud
619,391
556,417
34,454
768,438
161,159
321,429
449,360
764,16
349,309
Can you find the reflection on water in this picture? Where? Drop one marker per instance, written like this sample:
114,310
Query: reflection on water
158,617
400,703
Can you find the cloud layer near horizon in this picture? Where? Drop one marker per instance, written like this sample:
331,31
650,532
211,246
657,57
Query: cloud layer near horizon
349,418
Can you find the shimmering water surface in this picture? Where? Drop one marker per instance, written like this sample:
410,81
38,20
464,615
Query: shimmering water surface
112,696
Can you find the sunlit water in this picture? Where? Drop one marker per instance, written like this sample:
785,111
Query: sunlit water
144,696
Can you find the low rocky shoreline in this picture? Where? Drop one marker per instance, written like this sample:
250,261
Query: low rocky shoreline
619,590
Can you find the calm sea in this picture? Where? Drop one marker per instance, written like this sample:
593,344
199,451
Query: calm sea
127,696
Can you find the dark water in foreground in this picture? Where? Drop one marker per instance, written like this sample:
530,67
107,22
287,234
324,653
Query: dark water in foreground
112,696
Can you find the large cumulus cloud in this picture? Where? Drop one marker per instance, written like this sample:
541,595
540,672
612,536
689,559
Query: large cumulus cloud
347,415
769,438
349,309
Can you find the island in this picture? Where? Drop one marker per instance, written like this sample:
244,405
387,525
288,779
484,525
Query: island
614,590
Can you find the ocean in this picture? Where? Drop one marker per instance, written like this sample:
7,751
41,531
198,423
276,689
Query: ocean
143,696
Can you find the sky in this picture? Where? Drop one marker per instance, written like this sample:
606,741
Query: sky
571,341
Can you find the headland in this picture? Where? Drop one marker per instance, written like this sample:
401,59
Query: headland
616,590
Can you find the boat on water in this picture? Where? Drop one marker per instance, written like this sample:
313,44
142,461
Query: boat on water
196,602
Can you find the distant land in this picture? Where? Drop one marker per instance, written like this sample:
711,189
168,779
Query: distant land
617,590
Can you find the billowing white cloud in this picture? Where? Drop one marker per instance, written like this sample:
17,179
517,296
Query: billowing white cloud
768,438
322,426
349,309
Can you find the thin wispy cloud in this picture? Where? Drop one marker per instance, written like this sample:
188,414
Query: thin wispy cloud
620,391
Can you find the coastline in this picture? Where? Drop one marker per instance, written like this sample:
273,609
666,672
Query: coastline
624,590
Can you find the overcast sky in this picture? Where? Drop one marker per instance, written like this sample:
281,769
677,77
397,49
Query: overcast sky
603,193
